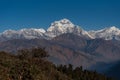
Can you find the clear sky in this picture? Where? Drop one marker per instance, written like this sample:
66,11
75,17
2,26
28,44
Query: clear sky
89,14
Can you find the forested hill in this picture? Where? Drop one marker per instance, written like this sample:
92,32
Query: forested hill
32,65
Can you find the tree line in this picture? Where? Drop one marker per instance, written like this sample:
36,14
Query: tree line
31,64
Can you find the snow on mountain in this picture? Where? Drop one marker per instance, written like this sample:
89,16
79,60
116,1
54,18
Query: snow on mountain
22,34
60,27
57,28
107,33
9,34
32,33
65,26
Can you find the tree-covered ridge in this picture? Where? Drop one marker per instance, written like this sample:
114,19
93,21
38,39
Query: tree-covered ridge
32,65
80,74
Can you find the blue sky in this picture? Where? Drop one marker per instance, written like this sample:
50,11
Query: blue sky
89,14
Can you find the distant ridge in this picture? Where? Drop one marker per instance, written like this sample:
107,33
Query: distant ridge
60,27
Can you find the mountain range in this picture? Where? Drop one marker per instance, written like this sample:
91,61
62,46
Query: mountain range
60,27
67,43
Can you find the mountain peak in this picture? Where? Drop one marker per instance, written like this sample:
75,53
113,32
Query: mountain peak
107,33
65,26
113,28
61,25
65,21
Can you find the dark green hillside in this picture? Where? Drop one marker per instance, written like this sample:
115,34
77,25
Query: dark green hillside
32,65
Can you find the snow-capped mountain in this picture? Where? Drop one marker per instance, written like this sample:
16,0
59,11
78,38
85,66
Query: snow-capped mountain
22,34
32,33
65,26
62,26
107,33
58,28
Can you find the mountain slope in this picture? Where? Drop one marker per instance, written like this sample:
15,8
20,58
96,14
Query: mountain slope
70,48
106,49
60,53
22,34
107,33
